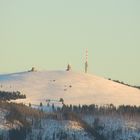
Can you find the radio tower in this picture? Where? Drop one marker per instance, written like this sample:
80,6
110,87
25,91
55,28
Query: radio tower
86,63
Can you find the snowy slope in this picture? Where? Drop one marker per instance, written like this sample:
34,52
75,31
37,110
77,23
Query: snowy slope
49,128
53,129
73,87
3,125
117,127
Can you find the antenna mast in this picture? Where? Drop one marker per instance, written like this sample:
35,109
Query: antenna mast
86,63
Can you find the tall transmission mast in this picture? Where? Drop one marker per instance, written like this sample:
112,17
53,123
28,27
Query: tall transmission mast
86,63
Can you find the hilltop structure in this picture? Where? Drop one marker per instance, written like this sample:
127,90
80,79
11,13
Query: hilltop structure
86,63
68,67
33,69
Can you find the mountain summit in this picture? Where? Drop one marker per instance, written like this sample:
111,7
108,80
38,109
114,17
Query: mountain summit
74,87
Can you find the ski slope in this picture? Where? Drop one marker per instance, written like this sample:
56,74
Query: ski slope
74,87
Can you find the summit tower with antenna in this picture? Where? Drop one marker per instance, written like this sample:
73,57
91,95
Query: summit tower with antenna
86,63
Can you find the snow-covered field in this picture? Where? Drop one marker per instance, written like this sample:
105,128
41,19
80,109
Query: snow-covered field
74,87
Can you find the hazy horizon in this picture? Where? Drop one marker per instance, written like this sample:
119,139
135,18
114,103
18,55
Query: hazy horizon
50,34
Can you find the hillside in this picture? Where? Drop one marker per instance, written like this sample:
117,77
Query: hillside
75,88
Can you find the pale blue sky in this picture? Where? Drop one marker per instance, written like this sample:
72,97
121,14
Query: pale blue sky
48,34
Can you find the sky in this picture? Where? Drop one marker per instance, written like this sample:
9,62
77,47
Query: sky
49,34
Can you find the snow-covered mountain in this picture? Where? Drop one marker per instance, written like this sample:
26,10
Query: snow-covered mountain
74,87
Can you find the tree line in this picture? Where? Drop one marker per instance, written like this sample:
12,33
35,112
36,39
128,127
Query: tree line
102,110
121,82
7,95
